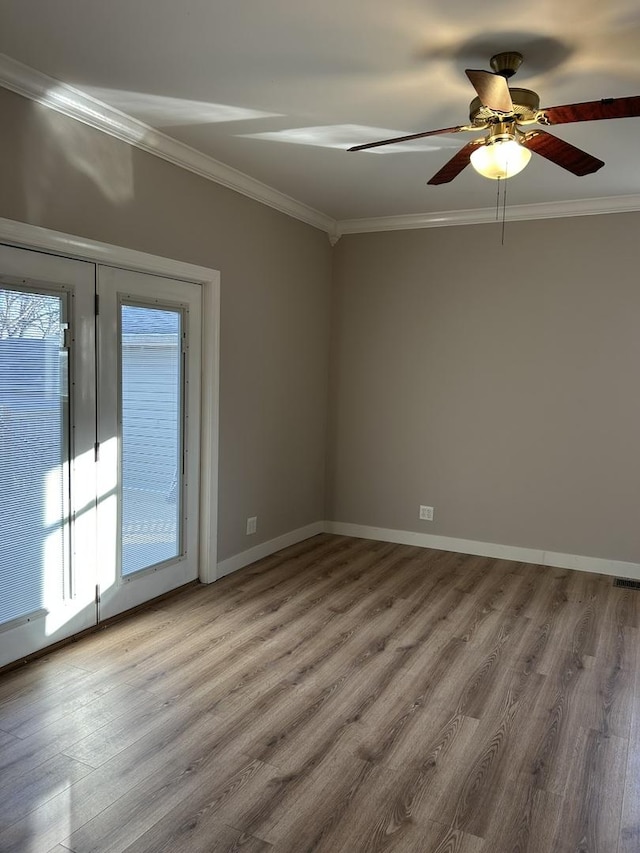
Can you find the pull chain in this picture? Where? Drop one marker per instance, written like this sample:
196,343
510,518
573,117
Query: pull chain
504,210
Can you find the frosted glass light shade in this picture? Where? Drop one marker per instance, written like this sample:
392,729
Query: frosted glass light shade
500,159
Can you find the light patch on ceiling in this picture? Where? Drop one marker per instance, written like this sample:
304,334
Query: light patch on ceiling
159,110
343,136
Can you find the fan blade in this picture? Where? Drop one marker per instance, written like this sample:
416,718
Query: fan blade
562,153
593,110
458,162
424,133
492,89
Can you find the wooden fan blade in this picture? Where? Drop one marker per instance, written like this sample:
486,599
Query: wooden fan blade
492,89
593,110
562,153
458,162
421,135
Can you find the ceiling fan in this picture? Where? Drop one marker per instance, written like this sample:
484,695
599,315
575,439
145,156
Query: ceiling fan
506,113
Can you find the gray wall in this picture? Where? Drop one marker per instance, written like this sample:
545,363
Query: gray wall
275,278
499,384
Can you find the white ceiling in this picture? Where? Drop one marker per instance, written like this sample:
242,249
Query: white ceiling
278,89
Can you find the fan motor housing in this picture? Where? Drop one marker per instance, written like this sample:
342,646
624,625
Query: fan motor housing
526,105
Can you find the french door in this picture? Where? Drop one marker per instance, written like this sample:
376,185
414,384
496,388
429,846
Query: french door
99,439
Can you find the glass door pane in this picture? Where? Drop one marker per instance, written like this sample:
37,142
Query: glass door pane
149,341
151,430
34,453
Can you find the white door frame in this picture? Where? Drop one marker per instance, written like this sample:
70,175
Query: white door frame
80,248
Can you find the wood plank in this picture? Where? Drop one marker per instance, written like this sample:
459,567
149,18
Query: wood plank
24,718
36,678
63,732
529,819
442,839
313,781
336,786
614,669
52,820
580,692
593,794
549,626
186,831
459,679
136,721
52,778
629,837
390,729
5,740
469,802
183,788
410,798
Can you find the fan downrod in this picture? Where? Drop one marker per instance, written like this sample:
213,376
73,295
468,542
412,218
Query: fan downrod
506,64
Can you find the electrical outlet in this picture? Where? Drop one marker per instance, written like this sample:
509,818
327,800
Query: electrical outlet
426,513
252,524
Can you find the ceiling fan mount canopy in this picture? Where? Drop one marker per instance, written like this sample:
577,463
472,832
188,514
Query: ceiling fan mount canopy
506,64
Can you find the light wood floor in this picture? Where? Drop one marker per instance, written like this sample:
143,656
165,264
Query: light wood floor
342,695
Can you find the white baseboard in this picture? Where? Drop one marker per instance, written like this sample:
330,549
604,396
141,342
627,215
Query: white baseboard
618,568
265,549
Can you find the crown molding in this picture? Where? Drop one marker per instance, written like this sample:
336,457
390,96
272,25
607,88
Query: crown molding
479,216
72,102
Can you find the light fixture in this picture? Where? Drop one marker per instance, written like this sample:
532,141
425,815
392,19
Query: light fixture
501,156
